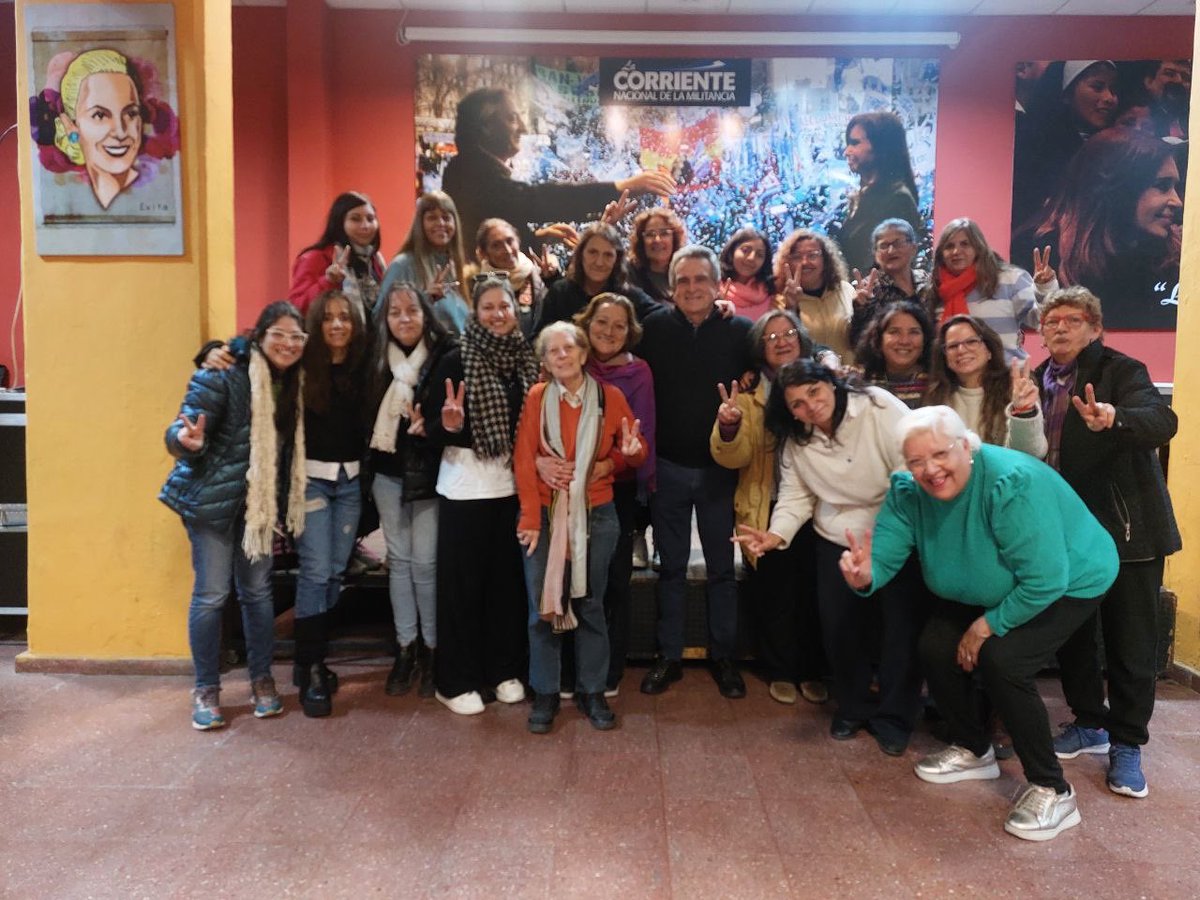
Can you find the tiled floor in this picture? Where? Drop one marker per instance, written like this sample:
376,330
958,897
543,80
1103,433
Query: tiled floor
106,791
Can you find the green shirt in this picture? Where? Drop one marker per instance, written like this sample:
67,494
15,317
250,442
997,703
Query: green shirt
1015,540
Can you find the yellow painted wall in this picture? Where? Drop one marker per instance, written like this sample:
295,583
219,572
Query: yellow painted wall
108,348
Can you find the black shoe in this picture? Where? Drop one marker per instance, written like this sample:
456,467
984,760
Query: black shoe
845,729
400,679
541,717
595,707
315,697
331,678
891,738
661,676
728,679
426,657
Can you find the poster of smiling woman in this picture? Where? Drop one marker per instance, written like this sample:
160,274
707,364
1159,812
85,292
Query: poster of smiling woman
105,131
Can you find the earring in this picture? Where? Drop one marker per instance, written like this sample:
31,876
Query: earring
73,137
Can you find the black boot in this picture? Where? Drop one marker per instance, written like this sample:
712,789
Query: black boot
428,686
315,698
400,679
312,645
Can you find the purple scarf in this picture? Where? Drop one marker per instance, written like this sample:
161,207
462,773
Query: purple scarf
1058,381
633,379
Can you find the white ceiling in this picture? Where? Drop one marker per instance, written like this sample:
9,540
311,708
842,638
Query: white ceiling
786,7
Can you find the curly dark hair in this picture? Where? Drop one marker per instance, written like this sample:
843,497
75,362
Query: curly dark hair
869,352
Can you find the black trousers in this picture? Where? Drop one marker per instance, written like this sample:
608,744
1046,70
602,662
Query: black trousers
785,610
1128,617
481,605
846,623
1008,667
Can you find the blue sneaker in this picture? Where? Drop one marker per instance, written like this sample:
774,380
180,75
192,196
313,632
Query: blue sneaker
266,698
1125,771
206,713
1074,740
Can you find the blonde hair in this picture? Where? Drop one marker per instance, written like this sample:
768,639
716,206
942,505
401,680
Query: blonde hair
89,62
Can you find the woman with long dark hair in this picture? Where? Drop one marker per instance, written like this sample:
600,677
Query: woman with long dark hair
838,452
746,278
239,431
894,351
345,258
432,258
877,152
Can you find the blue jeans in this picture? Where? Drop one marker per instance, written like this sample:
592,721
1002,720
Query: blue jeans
218,563
591,635
710,491
410,533
331,511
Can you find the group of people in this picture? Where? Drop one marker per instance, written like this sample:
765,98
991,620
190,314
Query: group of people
516,426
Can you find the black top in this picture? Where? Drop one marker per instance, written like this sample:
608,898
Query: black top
688,362
566,297
338,435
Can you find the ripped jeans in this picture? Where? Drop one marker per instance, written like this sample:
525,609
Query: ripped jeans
331,511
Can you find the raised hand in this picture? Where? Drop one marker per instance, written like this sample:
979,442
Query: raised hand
616,210
546,262
791,286
855,563
452,410
528,539
438,287
555,472
416,421
1096,416
864,288
728,413
1024,391
218,359
631,438
558,233
756,542
1043,273
647,182
336,272
191,434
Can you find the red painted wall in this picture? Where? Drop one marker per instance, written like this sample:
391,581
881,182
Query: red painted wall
10,201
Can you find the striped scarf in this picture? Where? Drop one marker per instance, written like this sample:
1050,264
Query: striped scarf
1058,383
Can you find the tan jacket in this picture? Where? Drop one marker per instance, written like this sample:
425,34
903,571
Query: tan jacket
752,452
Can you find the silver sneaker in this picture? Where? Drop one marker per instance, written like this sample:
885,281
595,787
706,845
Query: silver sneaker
955,763
1041,813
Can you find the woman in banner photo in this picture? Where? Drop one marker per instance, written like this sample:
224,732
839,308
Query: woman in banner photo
568,523
969,278
1039,566
345,258
239,433
94,117
1116,227
432,258
481,607
877,152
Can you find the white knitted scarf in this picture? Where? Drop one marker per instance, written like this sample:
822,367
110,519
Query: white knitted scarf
261,506
397,403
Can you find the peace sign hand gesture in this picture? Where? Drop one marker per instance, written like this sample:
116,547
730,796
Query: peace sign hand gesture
864,288
728,413
416,421
437,288
755,542
1024,391
1096,416
336,272
791,285
452,411
616,210
191,434
1043,273
546,262
855,563
631,438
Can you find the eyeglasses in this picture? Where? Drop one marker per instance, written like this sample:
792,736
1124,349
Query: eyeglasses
968,344
919,465
1072,322
772,336
891,245
481,277
657,233
807,256
287,337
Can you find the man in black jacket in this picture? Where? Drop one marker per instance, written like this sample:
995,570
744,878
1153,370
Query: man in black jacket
487,131
691,349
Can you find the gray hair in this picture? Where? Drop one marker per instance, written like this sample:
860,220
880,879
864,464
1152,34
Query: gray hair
570,329
694,251
935,420
759,328
900,225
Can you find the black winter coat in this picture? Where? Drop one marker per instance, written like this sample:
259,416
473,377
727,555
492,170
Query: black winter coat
1116,472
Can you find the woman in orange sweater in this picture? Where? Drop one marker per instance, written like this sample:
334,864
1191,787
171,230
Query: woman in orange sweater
575,434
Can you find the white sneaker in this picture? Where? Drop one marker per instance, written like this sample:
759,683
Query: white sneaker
468,704
1041,813
955,763
611,692
641,552
511,691
566,695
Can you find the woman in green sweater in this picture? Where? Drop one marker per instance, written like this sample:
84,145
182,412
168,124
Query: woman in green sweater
1039,563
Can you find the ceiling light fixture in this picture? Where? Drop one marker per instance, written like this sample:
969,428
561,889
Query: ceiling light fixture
468,35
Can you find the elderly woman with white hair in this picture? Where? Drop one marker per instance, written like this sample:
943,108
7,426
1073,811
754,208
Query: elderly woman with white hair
1040,564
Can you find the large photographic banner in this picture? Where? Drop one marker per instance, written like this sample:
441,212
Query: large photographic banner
1098,176
749,142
